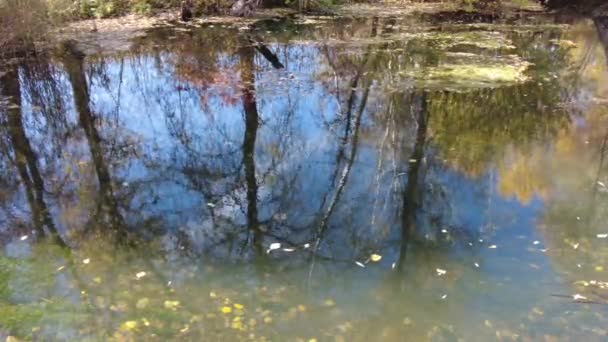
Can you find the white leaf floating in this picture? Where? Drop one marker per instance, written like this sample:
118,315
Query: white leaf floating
24,237
140,275
86,261
273,246
360,264
602,236
441,272
577,296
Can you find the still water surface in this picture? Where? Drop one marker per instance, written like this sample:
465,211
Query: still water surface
328,178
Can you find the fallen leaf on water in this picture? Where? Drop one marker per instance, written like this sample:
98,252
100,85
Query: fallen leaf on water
171,304
329,302
238,306
226,309
602,236
577,296
140,275
441,272
288,249
492,246
273,246
360,264
599,268
375,257
86,261
24,237
444,296
536,242
128,325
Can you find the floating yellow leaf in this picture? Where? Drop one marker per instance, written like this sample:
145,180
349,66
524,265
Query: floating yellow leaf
171,304
375,257
329,302
212,294
267,319
238,306
301,308
599,268
128,325
226,309
238,325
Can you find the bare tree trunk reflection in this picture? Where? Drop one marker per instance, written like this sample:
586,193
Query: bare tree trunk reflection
73,61
411,193
26,160
251,129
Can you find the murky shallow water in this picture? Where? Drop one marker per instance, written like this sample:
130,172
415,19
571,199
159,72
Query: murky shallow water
328,178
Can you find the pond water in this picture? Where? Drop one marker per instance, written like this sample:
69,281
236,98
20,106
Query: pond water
396,178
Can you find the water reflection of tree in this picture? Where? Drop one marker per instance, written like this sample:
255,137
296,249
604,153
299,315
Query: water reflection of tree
73,61
25,159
